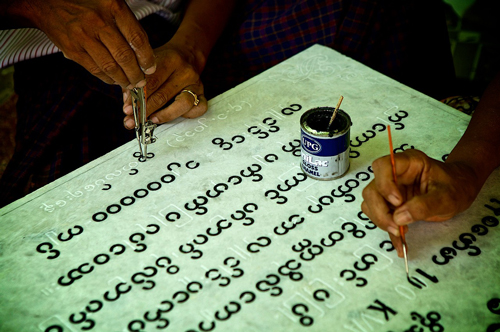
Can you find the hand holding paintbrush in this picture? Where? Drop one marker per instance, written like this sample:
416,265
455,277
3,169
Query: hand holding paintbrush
386,197
427,189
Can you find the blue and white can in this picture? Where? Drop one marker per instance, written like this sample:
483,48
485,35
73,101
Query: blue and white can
325,151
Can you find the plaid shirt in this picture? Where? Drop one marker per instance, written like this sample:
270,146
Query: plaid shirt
389,36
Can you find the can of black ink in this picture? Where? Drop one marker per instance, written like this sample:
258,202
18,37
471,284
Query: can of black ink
325,149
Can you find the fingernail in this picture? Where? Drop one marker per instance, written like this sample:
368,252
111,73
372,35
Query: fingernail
402,217
150,70
394,200
155,120
129,124
128,110
393,230
130,86
141,84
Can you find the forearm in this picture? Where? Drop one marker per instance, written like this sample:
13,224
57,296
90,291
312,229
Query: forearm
479,147
201,26
15,14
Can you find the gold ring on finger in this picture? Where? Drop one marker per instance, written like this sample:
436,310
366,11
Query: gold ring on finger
195,96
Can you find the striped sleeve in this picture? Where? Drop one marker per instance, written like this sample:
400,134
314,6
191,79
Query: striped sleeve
22,44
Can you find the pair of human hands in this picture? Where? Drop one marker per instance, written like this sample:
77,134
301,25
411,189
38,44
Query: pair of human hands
426,189
106,39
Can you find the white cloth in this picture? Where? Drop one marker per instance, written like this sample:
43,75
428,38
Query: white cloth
22,44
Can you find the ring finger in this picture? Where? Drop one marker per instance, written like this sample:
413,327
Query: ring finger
189,103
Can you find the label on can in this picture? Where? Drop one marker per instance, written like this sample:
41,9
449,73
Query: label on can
325,153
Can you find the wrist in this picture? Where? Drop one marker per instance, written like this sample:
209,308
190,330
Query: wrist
190,38
467,183
478,155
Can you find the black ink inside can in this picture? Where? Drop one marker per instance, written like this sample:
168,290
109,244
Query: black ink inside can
319,122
